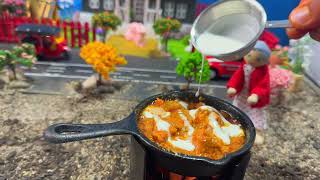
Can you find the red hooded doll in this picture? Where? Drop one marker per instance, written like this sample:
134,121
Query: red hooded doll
250,86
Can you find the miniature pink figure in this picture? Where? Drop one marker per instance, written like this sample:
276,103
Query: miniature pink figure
76,16
280,79
136,33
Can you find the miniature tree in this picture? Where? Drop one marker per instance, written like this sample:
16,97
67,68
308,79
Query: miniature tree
190,68
280,57
23,55
14,7
300,54
103,58
107,21
164,26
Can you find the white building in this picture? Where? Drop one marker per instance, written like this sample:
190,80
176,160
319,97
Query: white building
144,11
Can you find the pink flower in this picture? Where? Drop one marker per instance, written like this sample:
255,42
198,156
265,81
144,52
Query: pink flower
280,78
136,33
19,11
20,2
278,46
8,2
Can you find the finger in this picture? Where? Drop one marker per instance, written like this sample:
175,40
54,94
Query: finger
174,176
315,34
299,17
306,15
296,33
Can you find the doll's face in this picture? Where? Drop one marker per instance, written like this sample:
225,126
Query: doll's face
255,58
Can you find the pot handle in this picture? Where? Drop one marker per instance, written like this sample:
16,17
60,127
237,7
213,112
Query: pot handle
62,133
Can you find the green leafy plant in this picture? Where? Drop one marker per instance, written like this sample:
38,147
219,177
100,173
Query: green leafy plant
190,69
300,54
164,26
186,40
297,67
23,55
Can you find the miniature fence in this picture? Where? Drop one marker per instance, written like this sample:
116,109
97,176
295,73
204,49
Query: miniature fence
75,33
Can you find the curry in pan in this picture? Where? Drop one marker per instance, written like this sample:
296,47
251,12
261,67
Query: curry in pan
193,129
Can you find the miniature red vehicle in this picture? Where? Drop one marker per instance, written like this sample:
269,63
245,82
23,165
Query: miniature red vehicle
45,39
221,69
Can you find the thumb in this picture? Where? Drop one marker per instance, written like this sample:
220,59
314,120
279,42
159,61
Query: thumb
294,33
315,34
306,15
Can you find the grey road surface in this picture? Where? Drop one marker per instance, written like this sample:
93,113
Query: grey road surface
131,74
138,70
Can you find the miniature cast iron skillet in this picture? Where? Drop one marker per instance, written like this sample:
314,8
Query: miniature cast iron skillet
179,163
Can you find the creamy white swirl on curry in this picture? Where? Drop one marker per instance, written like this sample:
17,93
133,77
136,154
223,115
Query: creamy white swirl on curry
191,129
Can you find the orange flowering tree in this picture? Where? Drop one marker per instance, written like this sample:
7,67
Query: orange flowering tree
164,26
103,58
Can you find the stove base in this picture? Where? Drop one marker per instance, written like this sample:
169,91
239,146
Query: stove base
142,168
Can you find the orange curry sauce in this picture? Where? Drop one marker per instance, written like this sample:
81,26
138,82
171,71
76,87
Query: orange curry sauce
206,143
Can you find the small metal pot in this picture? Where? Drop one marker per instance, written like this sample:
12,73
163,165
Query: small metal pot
178,163
234,8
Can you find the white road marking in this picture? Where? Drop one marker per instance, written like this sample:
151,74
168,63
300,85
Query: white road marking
28,68
91,72
124,77
141,75
84,71
24,67
118,78
57,67
168,83
63,64
55,70
168,77
146,70
55,75
125,69
115,73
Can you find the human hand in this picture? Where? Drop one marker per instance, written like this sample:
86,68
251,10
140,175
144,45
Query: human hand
231,91
305,19
253,99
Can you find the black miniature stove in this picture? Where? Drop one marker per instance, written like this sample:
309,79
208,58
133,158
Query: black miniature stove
142,167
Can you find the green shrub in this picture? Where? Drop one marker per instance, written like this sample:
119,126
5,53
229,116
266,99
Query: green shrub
23,55
190,68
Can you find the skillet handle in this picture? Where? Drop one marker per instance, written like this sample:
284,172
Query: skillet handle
62,133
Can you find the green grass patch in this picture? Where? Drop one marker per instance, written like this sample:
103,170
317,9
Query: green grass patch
177,49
